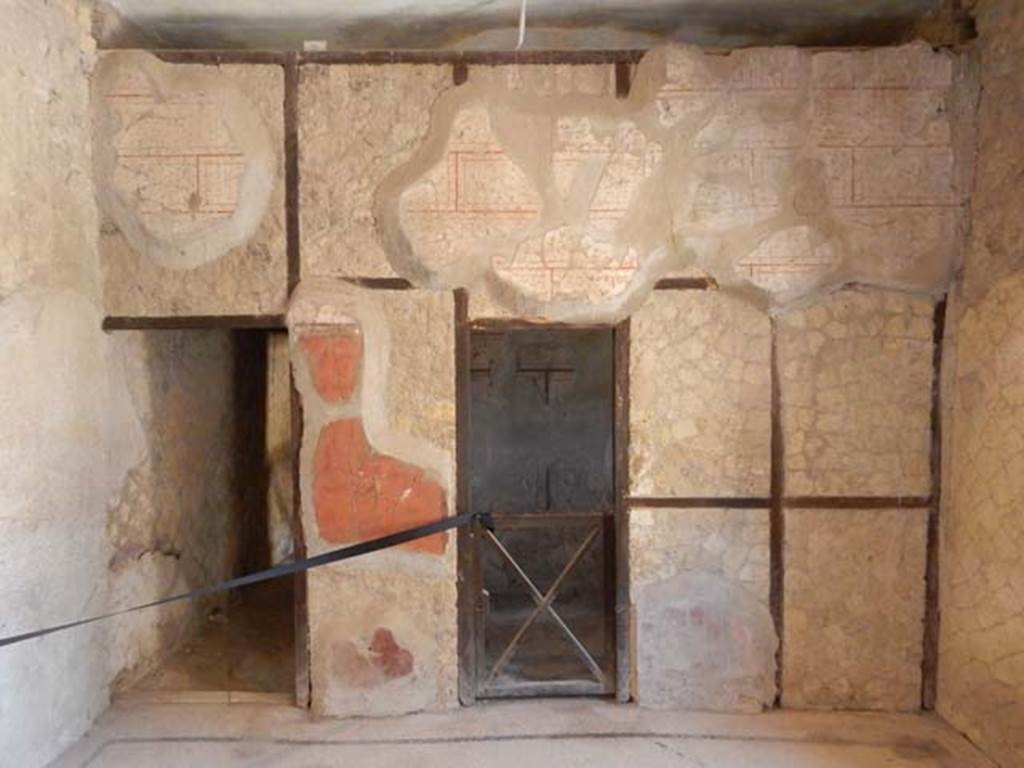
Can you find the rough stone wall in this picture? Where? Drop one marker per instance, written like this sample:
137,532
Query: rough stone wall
981,655
375,371
981,650
854,607
700,396
704,634
856,378
174,523
777,171
855,374
700,424
91,421
189,163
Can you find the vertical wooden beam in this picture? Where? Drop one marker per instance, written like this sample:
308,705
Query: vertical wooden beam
932,615
466,537
623,609
777,515
291,169
623,79
303,680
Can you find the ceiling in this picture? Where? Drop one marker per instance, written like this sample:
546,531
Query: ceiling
493,24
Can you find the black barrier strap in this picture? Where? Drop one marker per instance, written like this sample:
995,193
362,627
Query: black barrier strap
342,553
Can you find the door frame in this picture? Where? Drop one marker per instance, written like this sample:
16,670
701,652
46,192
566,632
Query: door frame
467,538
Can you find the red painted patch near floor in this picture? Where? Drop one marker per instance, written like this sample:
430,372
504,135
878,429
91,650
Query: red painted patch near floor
334,361
388,656
360,494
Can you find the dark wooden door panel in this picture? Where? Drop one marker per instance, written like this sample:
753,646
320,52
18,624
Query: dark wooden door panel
542,465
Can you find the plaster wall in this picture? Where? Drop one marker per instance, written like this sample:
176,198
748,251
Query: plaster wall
778,174
103,502
375,371
61,458
189,163
174,523
981,652
700,396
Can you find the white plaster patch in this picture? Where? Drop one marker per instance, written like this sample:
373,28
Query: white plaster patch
569,203
185,163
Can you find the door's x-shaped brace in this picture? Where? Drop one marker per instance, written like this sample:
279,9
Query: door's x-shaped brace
544,603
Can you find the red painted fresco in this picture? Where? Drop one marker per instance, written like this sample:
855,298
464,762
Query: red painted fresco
334,361
360,494
388,656
368,666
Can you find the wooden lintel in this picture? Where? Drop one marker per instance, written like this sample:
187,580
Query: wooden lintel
194,322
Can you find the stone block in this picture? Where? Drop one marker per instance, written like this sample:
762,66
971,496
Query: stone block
903,246
914,66
904,176
705,637
854,607
856,378
774,171
377,646
700,396
356,125
883,118
190,180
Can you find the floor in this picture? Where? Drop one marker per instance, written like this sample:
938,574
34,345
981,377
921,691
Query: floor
248,648
568,732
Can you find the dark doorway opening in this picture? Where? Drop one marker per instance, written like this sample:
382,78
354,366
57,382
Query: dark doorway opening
242,645
541,433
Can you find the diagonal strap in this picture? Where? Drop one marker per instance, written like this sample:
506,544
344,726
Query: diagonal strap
335,555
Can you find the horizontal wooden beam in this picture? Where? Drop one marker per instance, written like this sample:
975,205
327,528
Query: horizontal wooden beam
518,323
794,502
195,322
857,502
700,502
381,283
686,284
475,58
218,57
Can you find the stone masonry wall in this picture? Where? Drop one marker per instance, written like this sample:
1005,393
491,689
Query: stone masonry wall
981,651
855,379
779,174
855,374
700,424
